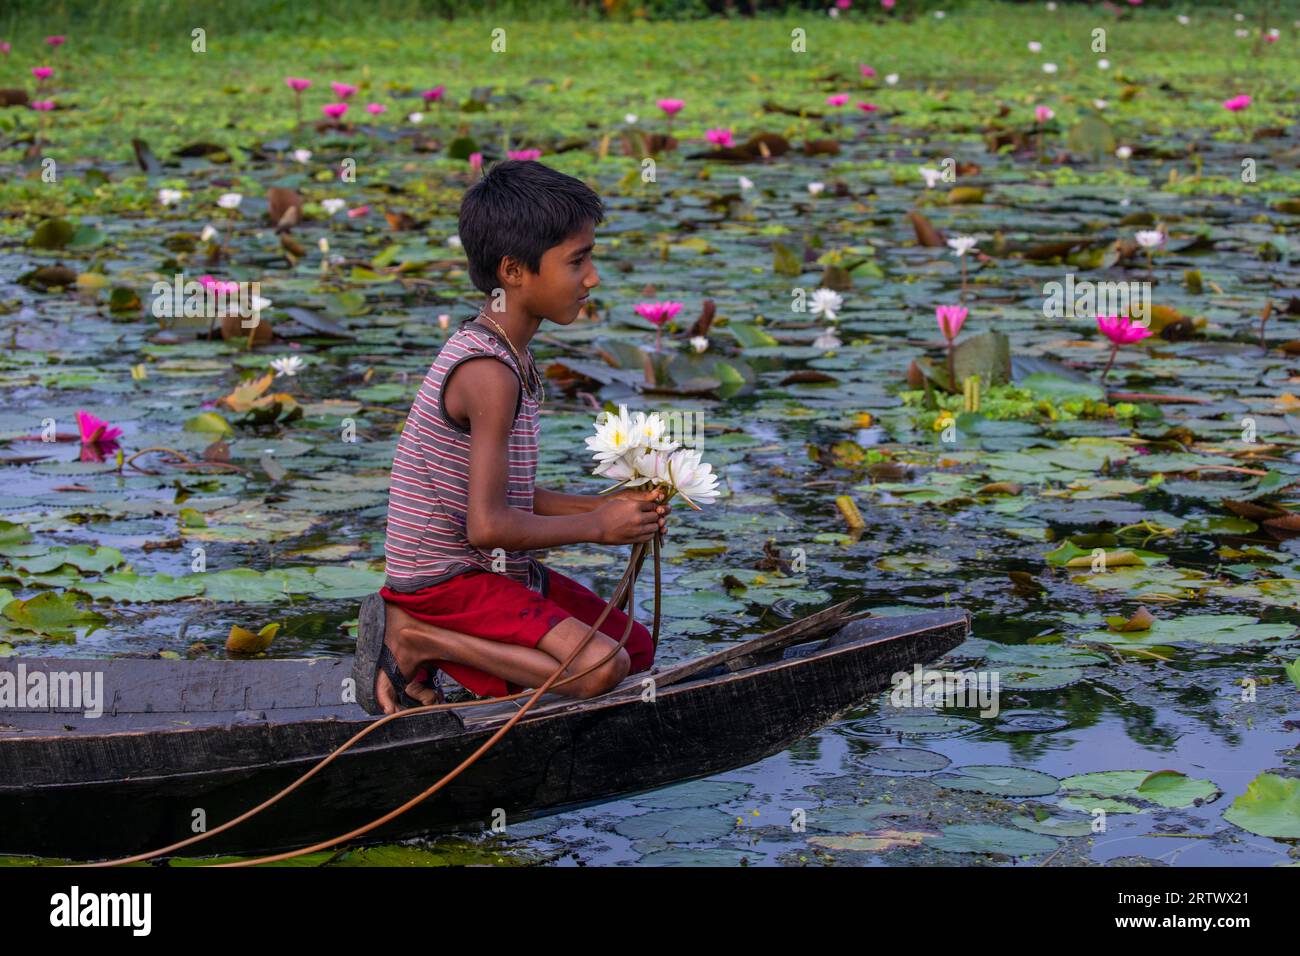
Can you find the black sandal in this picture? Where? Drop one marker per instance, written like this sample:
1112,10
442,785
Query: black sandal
372,655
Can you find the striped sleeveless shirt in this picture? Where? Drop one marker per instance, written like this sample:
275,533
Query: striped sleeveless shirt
428,496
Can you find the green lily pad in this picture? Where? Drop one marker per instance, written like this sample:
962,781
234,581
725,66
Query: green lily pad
1141,788
987,838
1269,807
1002,781
689,825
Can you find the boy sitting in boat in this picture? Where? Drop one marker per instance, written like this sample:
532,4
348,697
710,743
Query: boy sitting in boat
462,594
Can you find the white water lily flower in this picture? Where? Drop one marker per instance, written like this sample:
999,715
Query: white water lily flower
1100,104
207,234
649,432
1049,67
332,206
620,469
630,118
693,479
827,340
746,183
323,245
826,303
1124,152
1241,34
1238,17
169,197
1103,64
1183,18
454,241
891,79
961,245
699,343
289,365
414,117
614,436
301,156
229,200
1035,46
931,176
1050,5
1149,238
816,188
939,14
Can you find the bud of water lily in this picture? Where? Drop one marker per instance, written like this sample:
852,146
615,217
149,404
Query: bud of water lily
630,118
891,79
1103,64
301,155
332,206
324,245
1049,67
1124,152
444,320
415,117
699,343
746,183
816,188
208,234
1035,46
229,200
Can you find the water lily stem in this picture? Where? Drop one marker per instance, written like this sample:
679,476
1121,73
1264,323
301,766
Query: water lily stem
1114,350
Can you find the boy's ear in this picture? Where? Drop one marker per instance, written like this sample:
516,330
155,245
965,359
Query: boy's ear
510,272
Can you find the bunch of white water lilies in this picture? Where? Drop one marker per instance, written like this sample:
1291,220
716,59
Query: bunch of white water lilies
635,450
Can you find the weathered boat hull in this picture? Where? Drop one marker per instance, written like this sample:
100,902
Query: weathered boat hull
139,779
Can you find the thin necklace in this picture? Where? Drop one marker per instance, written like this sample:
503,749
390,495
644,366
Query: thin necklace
535,378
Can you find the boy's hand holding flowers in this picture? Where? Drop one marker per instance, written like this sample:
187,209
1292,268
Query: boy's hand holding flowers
649,468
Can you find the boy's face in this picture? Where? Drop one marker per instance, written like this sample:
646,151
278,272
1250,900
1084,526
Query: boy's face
565,277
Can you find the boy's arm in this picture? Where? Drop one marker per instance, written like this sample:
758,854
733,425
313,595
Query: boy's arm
488,391
547,502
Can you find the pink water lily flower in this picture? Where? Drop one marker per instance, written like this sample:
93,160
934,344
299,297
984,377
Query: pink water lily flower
868,107
951,318
718,137
334,110
43,106
837,99
476,162
866,71
297,84
95,430
887,4
524,153
1121,331
343,90
658,313
56,41
671,107
1043,113
229,287
358,212
5,47
430,96
42,72
376,108
1237,103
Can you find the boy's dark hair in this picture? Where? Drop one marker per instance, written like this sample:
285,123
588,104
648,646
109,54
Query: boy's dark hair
521,208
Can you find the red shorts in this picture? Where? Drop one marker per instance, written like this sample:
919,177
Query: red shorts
500,608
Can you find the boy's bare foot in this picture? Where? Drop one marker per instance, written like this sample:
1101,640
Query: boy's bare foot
409,660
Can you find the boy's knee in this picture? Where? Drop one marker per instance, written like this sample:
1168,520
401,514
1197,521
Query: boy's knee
606,676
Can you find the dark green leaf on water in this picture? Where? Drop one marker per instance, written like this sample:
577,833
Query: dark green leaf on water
53,234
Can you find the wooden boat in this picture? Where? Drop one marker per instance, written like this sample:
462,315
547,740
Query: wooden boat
179,738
